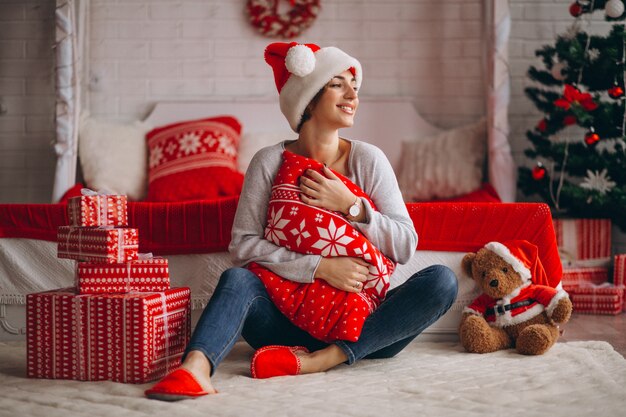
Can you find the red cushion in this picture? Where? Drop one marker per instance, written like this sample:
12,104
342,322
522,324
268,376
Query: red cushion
194,160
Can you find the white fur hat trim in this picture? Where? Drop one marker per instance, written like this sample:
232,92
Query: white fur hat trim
504,252
298,91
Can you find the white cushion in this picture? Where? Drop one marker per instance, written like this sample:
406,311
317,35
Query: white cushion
445,165
113,156
252,142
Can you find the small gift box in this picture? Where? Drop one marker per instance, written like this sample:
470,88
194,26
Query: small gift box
597,299
576,277
104,245
619,274
135,337
93,209
145,274
583,242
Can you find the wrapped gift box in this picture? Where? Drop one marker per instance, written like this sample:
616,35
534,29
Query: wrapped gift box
619,274
104,245
583,242
98,210
142,275
576,277
597,299
134,337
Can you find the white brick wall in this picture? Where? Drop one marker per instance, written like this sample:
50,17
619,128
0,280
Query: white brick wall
143,51
27,161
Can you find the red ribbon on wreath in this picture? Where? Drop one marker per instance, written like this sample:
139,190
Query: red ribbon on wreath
265,18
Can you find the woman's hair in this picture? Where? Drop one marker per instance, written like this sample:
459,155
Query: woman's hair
310,107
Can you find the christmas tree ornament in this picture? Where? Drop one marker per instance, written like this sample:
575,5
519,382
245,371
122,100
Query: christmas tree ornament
575,9
570,119
614,8
572,96
542,125
616,91
558,71
593,54
539,172
598,181
591,137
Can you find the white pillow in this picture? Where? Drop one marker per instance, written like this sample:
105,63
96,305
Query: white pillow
252,142
113,156
446,165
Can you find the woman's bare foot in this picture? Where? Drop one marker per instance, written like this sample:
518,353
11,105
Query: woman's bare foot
321,360
200,367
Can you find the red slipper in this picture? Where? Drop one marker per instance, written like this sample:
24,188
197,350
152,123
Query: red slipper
177,385
271,361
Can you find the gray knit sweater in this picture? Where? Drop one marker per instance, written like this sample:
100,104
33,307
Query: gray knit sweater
390,228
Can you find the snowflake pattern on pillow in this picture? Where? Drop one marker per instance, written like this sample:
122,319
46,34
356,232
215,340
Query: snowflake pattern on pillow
194,160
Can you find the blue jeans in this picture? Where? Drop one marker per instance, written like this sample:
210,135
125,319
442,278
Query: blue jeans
241,306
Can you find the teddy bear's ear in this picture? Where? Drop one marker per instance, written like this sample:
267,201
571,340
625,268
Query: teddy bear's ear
466,263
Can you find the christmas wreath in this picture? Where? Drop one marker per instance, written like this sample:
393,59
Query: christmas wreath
265,17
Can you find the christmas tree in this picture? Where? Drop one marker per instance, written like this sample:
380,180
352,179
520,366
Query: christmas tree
578,148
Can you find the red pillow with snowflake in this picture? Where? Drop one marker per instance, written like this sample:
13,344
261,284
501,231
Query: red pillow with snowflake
194,160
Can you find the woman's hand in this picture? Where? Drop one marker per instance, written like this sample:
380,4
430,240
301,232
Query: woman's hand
327,192
343,272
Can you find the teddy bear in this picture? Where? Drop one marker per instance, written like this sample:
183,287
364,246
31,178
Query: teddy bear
516,308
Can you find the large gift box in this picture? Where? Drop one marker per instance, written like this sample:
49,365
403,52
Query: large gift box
98,210
583,242
105,245
133,337
575,277
597,299
143,275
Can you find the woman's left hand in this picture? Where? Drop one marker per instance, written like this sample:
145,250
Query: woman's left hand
327,192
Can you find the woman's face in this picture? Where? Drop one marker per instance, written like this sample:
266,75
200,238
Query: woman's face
338,103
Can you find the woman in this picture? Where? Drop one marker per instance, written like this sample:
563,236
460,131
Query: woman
318,96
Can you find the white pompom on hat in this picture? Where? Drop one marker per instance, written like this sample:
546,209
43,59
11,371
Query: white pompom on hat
301,70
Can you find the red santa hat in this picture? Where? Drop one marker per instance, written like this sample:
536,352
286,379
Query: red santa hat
301,70
523,257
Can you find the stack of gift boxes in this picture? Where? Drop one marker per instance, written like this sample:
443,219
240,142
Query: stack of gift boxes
585,249
121,321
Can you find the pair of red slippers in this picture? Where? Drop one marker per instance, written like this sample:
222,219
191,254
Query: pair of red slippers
267,362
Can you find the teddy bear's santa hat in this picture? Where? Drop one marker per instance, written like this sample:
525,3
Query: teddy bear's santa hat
523,256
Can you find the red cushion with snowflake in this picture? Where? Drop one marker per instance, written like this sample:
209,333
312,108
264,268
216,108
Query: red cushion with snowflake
325,312
194,160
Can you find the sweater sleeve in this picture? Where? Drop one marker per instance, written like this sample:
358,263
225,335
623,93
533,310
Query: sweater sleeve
390,228
247,242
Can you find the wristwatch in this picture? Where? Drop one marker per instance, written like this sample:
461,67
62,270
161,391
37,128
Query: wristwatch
355,208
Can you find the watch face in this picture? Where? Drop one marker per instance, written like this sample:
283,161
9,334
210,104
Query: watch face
355,210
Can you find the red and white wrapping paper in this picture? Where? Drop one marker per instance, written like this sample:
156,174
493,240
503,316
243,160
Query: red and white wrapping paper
141,275
98,210
583,242
576,277
597,299
134,337
104,245
619,274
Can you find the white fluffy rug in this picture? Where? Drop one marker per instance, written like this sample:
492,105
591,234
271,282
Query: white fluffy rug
427,379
